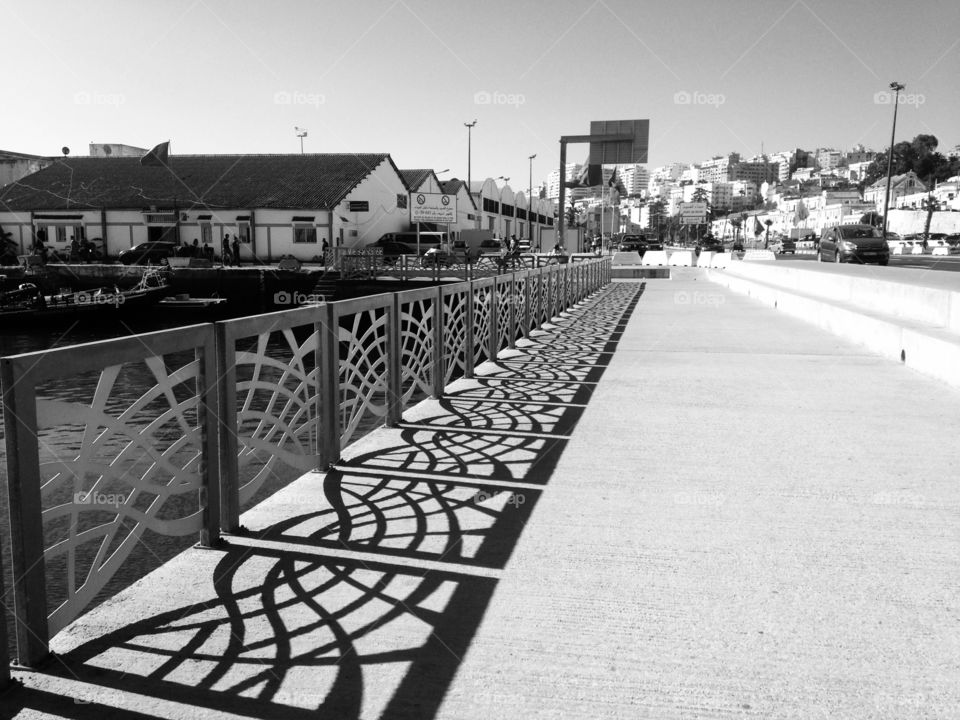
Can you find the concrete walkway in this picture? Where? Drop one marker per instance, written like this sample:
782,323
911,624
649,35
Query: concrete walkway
693,507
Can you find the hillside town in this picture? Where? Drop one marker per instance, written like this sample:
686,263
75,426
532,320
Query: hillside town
794,193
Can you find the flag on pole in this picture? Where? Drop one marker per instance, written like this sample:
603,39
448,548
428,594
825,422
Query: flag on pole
158,157
590,176
757,227
615,183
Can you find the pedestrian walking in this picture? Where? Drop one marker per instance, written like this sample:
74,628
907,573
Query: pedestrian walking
236,250
225,250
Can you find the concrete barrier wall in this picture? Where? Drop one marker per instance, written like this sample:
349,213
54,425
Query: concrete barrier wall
915,303
682,258
705,259
655,257
932,351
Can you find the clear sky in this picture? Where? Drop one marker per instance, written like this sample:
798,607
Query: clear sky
403,76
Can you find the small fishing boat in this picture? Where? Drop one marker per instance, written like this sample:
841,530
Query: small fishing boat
28,303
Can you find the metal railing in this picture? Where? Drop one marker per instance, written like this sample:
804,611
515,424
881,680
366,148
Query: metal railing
221,414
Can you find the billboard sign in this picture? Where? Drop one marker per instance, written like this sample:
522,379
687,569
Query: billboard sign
433,208
621,152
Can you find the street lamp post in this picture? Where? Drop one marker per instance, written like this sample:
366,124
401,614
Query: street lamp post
301,133
469,127
896,87
530,201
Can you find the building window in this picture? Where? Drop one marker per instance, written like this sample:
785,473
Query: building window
206,233
304,234
401,201
243,232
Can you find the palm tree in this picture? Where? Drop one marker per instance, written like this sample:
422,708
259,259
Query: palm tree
931,205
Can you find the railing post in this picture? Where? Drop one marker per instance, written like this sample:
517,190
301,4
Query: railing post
26,514
526,304
469,359
394,385
329,381
4,654
439,375
227,407
512,335
210,426
493,349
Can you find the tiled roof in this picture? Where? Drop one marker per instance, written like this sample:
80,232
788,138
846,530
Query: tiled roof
312,181
452,187
415,178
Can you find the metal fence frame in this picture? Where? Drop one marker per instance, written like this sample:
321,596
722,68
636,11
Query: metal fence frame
534,296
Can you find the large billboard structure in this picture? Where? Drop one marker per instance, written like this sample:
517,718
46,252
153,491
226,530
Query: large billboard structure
612,142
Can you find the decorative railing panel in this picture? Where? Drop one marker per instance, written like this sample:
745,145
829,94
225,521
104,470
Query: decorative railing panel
456,333
417,332
362,331
482,304
269,404
105,442
505,313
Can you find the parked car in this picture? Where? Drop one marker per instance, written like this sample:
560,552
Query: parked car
785,245
491,246
155,252
853,243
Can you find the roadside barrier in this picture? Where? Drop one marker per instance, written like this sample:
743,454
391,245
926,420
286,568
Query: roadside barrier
655,257
682,258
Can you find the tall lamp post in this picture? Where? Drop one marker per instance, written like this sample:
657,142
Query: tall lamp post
301,133
530,201
896,87
469,127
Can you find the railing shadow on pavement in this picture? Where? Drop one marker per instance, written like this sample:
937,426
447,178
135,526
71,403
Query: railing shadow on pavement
364,602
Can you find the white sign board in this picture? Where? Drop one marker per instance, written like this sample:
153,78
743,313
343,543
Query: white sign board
433,208
693,213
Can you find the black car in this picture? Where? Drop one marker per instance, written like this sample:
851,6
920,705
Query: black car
639,244
149,253
853,243
710,244
391,250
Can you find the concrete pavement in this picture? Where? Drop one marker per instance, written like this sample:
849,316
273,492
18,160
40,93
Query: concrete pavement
691,508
